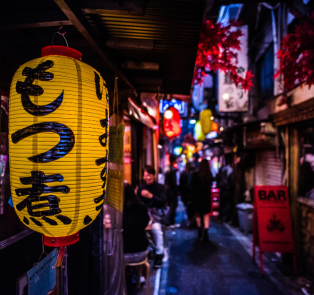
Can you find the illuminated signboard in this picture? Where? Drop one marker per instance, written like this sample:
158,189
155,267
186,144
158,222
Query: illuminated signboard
232,98
177,104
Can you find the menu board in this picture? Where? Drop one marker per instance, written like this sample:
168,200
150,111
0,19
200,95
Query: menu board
115,189
273,231
42,277
114,194
116,140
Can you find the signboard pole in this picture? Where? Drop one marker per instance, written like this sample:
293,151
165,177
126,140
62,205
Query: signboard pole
254,235
61,272
261,262
272,222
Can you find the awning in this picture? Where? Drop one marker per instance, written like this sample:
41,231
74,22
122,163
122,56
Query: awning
141,115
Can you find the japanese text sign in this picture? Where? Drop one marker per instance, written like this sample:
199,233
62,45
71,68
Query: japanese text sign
58,137
114,197
232,98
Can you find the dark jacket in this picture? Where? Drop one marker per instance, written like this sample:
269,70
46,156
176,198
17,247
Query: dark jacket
185,186
171,185
135,220
225,182
157,203
201,194
159,195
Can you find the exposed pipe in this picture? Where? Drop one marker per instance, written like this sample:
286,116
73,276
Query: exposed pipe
259,8
271,7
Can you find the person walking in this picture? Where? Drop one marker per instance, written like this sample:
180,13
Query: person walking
186,192
226,190
154,197
172,190
201,185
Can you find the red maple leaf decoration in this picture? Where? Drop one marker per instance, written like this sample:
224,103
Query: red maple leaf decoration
297,56
216,51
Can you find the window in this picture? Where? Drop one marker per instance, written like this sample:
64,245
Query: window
306,172
266,73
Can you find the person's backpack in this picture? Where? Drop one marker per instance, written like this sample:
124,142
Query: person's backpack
171,185
224,180
184,182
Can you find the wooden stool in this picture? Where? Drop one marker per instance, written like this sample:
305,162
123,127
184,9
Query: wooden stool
140,265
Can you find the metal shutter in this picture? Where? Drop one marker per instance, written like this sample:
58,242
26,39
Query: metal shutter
268,168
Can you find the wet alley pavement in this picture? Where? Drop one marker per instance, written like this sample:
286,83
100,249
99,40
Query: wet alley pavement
221,266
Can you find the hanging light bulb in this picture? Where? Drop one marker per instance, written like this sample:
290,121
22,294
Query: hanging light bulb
168,114
225,96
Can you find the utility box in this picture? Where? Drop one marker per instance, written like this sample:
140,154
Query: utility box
245,214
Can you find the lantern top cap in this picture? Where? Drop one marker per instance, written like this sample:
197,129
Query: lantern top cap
61,50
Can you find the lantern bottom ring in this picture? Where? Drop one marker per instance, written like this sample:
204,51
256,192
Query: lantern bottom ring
61,241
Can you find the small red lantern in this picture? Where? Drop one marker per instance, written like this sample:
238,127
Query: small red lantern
214,126
172,122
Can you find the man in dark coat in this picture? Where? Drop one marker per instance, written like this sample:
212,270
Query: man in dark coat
153,195
225,184
186,192
172,190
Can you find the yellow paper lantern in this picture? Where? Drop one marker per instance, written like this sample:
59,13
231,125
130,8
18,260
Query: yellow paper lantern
198,131
206,121
58,139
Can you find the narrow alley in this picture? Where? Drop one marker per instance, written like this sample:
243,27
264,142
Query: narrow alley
221,266
157,147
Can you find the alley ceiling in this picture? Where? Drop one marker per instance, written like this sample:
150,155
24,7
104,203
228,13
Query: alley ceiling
149,44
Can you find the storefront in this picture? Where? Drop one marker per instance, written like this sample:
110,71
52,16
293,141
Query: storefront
258,158
141,137
306,189
127,153
295,121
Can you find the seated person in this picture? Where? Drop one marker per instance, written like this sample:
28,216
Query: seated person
153,195
135,220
